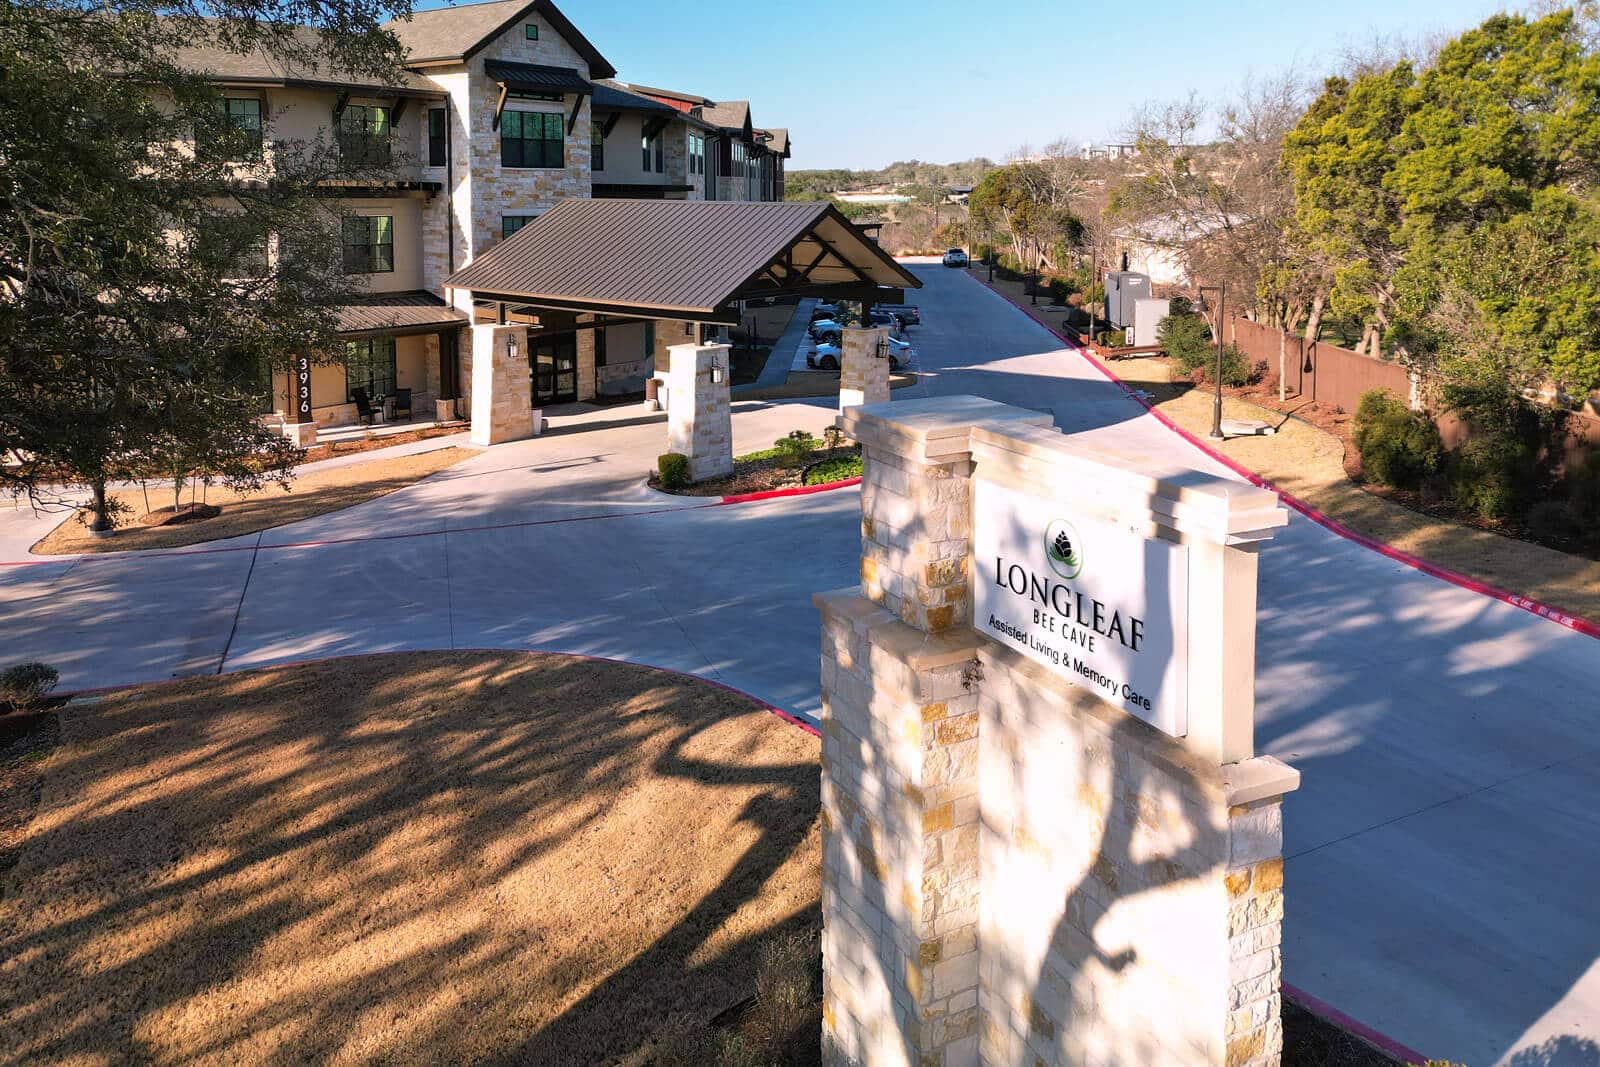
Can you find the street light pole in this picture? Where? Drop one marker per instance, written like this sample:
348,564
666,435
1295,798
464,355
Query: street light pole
1222,309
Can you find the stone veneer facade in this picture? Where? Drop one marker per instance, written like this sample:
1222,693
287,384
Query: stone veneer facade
1015,871
502,387
863,376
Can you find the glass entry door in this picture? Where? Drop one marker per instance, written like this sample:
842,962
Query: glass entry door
554,363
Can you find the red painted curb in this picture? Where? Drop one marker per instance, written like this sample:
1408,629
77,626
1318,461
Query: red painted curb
1338,1018
1576,623
793,720
798,490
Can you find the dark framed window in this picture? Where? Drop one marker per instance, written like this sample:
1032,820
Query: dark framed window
527,94
238,135
661,164
644,148
653,155
436,137
597,146
369,365
365,132
369,244
697,155
510,224
530,139
530,31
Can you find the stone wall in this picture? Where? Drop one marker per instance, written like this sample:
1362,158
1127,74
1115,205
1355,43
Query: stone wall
1014,870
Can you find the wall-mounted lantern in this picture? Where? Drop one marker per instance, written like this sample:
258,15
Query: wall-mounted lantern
511,346
882,351
719,374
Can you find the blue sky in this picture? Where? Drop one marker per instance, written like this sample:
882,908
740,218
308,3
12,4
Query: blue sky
948,80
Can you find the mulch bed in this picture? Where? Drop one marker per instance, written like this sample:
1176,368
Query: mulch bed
368,444
187,513
755,475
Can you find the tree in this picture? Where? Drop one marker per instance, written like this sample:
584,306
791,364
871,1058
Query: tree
148,286
1229,205
1030,202
1454,207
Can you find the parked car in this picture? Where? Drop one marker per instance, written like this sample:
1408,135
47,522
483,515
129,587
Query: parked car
826,329
824,310
955,257
827,355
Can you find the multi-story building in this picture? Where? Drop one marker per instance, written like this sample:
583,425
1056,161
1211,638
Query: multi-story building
503,109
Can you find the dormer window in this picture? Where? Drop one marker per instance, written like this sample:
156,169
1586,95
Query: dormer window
531,31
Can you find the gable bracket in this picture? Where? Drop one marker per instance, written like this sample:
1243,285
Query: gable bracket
572,119
499,106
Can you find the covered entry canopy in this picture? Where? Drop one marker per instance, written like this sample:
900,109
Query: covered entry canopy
682,259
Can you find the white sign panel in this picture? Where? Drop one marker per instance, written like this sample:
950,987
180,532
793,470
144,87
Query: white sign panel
1103,606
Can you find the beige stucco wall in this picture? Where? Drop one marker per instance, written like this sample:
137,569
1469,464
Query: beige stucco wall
408,260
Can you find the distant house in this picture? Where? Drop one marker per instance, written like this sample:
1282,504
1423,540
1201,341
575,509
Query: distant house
1160,248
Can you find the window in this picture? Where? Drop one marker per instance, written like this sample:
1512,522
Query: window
436,137
230,241
369,365
530,139
531,31
510,224
597,146
738,158
653,155
364,134
369,244
237,136
697,155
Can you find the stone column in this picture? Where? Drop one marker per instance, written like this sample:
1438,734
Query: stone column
502,390
698,421
1015,868
863,377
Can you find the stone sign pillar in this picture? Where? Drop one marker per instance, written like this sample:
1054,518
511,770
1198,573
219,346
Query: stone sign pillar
502,386
698,421
1040,844
863,375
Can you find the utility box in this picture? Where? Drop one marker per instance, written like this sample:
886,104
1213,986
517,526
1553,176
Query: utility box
1147,318
1123,288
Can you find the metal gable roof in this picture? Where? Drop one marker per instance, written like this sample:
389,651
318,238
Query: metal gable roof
535,77
682,256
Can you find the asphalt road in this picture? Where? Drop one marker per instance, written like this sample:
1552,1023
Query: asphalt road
1443,851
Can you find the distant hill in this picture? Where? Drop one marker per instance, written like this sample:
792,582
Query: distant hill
818,184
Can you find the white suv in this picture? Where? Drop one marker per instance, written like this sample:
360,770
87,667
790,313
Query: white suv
955,257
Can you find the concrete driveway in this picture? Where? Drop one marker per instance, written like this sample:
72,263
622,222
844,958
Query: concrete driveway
1442,853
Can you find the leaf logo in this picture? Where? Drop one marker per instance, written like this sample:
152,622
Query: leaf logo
1063,549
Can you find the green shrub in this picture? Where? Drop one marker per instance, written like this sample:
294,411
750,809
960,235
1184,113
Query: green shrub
1113,338
836,469
794,448
25,685
1235,370
1489,475
1398,446
673,470
1187,339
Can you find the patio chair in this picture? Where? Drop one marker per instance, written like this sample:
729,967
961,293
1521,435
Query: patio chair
402,403
363,403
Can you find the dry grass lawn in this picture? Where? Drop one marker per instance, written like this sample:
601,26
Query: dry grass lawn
418,858
314,493
1309,463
